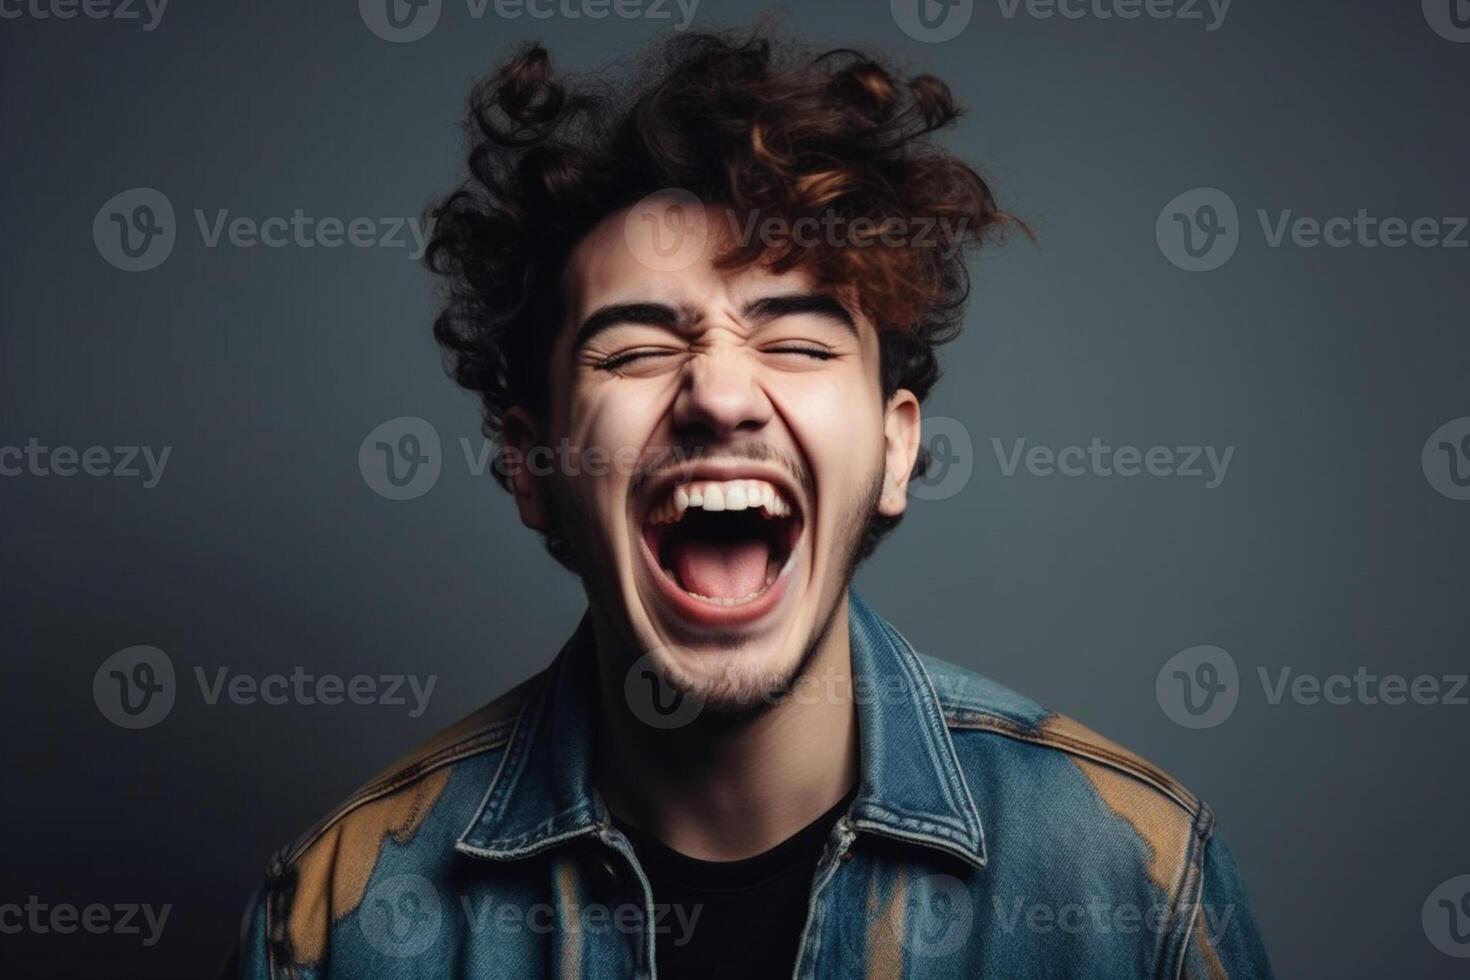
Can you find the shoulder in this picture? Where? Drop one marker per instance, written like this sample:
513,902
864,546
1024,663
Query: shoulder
974,703
419,804
1045,781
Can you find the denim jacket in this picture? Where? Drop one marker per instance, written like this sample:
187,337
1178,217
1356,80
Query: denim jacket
988,838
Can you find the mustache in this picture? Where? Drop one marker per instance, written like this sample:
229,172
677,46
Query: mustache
674,458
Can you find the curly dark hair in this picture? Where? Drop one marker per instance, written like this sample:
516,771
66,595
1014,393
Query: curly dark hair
741,123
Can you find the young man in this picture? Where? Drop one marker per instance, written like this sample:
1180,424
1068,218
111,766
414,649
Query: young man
701,314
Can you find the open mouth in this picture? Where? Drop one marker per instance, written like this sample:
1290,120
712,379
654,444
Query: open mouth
723,545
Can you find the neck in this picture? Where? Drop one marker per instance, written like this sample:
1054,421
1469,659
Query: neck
724,788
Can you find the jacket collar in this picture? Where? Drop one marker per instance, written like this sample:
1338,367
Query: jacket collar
911,787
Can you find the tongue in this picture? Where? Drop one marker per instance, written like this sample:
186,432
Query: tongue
721,569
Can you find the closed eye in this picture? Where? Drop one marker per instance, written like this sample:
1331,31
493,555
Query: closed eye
624,358
809,350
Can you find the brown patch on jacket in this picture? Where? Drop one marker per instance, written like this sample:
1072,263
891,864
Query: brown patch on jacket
322,878
333,872
887,928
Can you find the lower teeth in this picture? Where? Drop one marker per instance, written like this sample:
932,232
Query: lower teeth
725,602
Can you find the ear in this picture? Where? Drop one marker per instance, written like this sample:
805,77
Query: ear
901,430
520,436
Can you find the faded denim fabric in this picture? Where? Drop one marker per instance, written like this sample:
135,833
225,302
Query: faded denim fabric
988,838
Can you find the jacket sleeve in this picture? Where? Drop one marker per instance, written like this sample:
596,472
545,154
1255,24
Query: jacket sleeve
249,959
1224,943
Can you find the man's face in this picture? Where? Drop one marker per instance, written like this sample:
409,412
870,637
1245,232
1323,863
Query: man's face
733,445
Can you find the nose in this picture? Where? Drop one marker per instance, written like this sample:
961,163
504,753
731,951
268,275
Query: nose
720,396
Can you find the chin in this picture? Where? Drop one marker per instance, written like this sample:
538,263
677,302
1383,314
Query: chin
733,680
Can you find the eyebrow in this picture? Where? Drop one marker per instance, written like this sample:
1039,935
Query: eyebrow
795,304
758,310
604,317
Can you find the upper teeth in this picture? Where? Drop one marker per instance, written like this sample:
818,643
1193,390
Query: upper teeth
720,495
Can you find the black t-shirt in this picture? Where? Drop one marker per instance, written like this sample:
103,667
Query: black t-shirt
733,919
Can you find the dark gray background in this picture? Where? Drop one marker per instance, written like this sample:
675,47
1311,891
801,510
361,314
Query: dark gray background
263,548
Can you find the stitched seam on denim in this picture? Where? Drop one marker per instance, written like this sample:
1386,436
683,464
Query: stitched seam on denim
517,744
948,763
512,848
489,738
819,915
1191,882
1174,895
946,843
1178,972
923,823
549,827
618,843
927,709
971,813
957,705
811,931
1186,800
